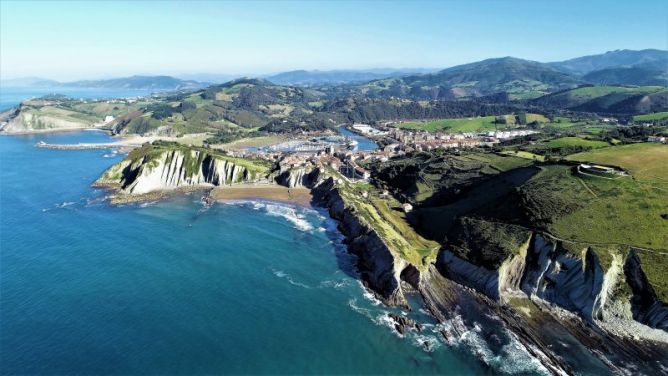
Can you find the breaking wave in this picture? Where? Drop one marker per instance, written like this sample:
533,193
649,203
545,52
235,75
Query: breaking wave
289,213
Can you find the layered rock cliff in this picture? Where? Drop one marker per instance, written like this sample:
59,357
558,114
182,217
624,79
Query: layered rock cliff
380,266
615,294
298,177
156,168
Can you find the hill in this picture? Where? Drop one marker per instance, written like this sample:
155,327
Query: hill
479,204
137,82
162,83
235,109
335,77
638,75
28,82
613,59
609,99
508,76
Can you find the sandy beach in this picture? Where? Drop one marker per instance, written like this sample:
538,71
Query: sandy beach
299,196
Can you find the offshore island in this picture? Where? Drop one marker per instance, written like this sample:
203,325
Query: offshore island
547,205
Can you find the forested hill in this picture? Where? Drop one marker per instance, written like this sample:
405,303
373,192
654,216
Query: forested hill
613,59
515,77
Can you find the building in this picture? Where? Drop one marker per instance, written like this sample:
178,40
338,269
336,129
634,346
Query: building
660,139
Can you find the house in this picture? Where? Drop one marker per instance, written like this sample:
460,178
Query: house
361,173
660,139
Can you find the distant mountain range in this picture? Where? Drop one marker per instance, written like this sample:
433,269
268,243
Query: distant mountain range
514,78
335,77
133,82
622,67
499,78
613,59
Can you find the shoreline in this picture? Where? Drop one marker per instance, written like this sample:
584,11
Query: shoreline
296,196
241,192
56,130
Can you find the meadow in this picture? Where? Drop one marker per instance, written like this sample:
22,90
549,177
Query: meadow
651,117
474,124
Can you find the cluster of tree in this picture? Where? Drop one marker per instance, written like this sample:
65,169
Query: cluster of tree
229,135
291,125
634,133
370,110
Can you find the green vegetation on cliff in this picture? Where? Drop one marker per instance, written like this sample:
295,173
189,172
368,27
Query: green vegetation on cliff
430,178
385,215
148,152
484,217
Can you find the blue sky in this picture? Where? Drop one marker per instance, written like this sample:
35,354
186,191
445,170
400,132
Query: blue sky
72,40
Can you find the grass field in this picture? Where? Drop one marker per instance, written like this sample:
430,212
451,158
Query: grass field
455,125
524,154
575,141
646,161
386,217
481,123
631,211
251,142
598,91
650,117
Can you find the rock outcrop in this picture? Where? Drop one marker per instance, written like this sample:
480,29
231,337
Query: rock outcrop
619,298
160,169
25,119
298,177
381,270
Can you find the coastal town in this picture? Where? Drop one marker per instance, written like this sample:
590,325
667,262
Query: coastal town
343,153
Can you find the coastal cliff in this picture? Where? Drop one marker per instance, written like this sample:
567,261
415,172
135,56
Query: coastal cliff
614,294
547,291
298,177
166,166
35,115
384,266
606,286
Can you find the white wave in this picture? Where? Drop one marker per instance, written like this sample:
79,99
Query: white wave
511,359
291,214
280,273
368,295
428,343
287,277
335,284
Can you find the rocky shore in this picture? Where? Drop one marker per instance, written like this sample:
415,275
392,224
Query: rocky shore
558,304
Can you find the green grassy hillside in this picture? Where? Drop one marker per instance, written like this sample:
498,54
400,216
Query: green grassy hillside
483,217
651,117
609,99
474,124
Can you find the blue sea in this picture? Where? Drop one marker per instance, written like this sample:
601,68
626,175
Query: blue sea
176,287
